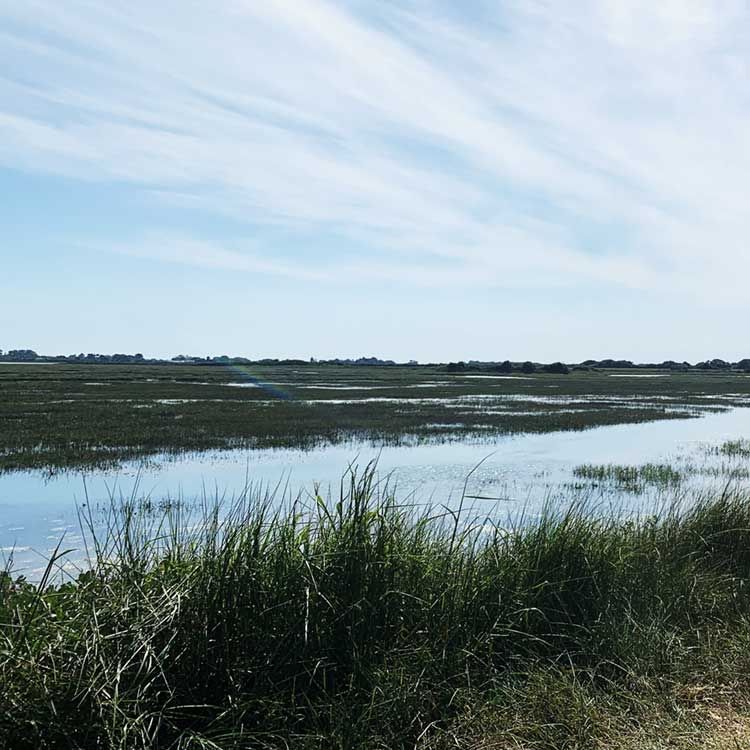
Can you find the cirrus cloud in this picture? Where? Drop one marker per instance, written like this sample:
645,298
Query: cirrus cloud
526,143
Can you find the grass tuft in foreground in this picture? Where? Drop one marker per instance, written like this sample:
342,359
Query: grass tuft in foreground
364,623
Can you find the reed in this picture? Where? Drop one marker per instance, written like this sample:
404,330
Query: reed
634,479
360,621
66,417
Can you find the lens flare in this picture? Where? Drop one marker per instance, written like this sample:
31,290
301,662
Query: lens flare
271,389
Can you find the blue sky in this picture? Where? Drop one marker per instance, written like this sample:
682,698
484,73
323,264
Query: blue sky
411,179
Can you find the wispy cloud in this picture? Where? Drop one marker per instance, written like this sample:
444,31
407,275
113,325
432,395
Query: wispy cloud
521,143
174,248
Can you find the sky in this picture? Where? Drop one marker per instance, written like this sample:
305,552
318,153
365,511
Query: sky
407,179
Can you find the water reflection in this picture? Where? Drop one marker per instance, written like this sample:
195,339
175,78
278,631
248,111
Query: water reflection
516,471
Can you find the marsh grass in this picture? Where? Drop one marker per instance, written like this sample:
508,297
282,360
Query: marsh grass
362,622
83,416
633,479
733,448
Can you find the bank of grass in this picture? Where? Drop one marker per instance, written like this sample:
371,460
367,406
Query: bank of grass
363,623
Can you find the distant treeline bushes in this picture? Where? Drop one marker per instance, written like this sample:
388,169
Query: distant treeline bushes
506,366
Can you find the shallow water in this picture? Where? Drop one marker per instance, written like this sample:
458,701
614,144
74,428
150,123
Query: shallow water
517,471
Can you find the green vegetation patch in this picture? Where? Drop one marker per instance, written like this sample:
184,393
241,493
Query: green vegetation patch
734,448
64,416
634,479
364,623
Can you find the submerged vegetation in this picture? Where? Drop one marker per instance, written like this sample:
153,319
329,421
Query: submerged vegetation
732,448
63,416
634,479
364,623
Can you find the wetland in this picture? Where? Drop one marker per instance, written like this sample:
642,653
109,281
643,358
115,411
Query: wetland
353,557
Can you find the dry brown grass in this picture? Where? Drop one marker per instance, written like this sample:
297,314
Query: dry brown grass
710,728
557,714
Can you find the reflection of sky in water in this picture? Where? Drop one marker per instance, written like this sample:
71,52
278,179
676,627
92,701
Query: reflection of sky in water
521,470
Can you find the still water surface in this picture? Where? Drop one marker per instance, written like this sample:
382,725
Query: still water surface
518,471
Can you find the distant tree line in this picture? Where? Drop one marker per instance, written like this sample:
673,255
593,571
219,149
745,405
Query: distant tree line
560,368
508,367
29,355
505,366
19,355
224,359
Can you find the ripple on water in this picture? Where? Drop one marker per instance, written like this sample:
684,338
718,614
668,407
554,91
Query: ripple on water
524,470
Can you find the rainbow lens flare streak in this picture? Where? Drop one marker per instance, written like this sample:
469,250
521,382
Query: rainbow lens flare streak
268,388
